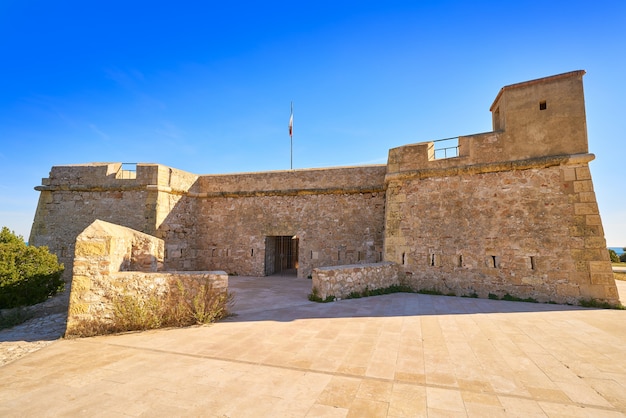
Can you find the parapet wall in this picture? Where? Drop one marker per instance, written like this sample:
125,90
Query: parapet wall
312,181
115,176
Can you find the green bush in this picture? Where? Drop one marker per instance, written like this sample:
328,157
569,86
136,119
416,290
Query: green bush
28,275
613,255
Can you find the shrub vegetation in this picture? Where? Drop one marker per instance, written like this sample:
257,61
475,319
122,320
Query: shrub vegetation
28,275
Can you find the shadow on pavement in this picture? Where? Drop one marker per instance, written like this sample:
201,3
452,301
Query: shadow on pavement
285,299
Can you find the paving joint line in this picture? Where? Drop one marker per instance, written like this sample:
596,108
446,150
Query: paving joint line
348,375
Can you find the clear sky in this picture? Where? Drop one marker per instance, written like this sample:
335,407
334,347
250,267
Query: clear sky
206,86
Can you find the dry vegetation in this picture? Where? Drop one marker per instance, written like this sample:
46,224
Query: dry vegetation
184,305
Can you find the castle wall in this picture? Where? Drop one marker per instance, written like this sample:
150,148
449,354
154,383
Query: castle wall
74,196
220,222
534,233
514,212
337,215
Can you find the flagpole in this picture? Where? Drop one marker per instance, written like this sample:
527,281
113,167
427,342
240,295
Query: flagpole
291,136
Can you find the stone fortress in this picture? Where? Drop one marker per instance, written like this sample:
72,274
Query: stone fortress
513,211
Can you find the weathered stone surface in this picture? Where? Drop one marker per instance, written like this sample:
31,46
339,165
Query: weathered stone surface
341,281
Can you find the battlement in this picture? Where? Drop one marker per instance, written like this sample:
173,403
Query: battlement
114,176
316,180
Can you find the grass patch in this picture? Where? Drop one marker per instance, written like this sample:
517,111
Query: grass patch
396,288
510,298
184,305
618,275
13,317
434,292
594,303
516,299
314,296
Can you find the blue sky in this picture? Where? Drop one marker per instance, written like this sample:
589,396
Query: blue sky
206,86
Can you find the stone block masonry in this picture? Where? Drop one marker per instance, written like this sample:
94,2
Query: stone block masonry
514,232
74,196
513,213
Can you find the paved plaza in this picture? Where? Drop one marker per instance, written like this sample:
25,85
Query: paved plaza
399,355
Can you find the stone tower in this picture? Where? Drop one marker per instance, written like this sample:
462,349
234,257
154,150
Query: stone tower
513,213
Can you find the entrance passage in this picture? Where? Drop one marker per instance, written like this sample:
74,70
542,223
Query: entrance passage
281,255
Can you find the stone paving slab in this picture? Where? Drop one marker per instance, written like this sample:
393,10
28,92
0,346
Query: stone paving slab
398,355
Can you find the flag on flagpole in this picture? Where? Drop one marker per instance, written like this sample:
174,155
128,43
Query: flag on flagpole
291,122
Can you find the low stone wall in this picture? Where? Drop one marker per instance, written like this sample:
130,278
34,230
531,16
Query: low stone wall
105,257
341,281
93,297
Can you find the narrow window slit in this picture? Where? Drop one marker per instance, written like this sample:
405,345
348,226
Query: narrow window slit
494,261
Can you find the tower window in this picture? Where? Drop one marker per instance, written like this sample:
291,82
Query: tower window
543,105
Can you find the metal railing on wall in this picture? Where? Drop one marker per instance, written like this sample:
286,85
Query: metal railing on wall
127,171
446,147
